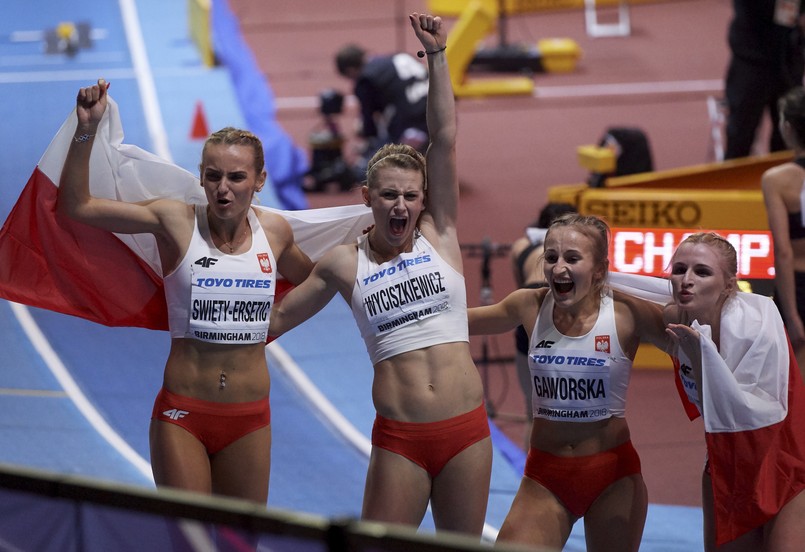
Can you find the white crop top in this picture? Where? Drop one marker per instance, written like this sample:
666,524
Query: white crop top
578,379
413,301
221,298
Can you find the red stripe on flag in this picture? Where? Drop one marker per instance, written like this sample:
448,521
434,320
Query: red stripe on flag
755,473
61,265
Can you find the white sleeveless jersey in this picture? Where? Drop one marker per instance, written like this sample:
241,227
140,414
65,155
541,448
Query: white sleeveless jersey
221,298
413,301
578,379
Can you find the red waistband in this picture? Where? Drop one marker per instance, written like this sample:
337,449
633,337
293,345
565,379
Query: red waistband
429,427
213,407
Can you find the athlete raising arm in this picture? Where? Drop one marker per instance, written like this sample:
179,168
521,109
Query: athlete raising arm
216,372
404,282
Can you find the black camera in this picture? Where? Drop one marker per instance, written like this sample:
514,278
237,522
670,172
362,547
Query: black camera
328,167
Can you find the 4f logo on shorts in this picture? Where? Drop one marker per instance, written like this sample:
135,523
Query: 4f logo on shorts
175,413
602,343
265,262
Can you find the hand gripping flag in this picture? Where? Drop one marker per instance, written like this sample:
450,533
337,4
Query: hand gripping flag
753,404
51,262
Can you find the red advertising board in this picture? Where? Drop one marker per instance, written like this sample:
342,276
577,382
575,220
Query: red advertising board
648,250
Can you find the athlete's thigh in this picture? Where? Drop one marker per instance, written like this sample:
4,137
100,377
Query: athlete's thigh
461,490
615,521
242,468
397,490
536,518
178,458
786,531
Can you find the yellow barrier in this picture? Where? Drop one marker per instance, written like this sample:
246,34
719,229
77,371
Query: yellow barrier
455,7
735,174
741,173
597,159
558,55
664,208
649,357
475,23
198,14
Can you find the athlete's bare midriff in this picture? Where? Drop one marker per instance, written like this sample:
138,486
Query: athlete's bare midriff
194,369
578,438
426,385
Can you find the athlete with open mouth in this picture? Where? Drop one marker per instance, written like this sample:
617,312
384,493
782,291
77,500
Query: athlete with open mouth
404,281
583,338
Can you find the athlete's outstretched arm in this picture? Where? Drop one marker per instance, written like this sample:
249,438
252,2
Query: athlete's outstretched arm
313,294
519,307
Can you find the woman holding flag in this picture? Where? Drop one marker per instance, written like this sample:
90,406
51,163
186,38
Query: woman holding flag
737,369
210,429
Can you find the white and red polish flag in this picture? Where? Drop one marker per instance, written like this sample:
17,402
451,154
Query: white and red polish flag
51,262
753,405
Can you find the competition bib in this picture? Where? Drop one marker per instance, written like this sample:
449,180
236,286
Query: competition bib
402,291
228,308
570,386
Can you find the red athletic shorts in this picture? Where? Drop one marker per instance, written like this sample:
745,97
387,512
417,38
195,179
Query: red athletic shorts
431,445
215,424
578,481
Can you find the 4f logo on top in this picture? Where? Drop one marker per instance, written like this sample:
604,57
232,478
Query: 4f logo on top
265,263
206,262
